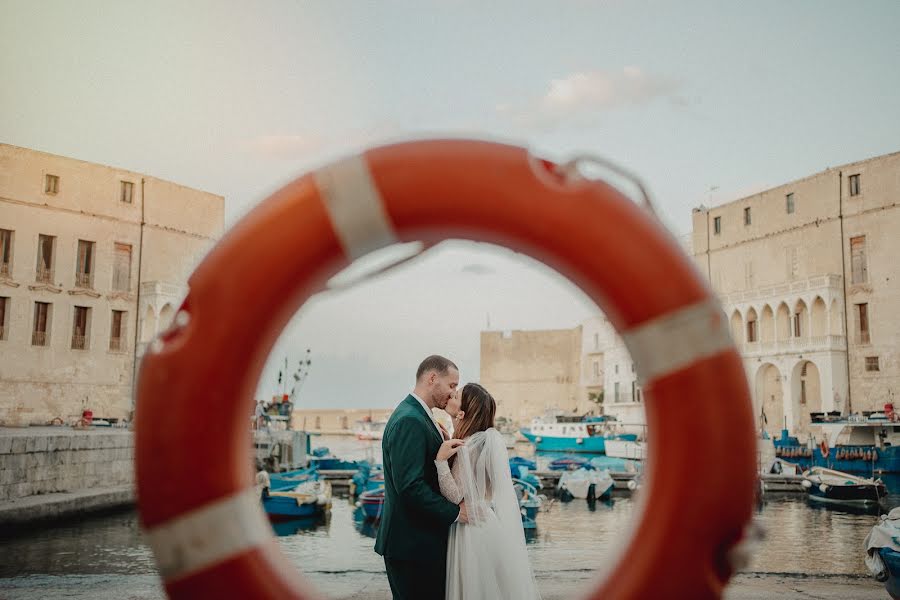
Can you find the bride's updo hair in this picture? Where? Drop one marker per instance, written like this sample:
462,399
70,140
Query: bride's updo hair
479,408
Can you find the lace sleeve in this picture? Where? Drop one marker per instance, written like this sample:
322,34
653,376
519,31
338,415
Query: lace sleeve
449,489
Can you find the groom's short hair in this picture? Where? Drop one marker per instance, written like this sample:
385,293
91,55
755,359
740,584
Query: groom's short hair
435,362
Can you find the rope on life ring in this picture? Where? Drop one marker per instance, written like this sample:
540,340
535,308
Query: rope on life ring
823,447
209,535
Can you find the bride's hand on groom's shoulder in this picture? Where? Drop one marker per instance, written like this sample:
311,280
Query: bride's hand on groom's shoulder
448,449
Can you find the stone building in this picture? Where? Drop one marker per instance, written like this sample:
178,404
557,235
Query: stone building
530,372
93,260
798,267
336,421
607,370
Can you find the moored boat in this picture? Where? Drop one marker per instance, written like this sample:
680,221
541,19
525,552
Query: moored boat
883,552
372,503
578,483
566,433
837,487
308,499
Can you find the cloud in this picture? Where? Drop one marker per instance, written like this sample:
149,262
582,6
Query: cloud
587,93
478,269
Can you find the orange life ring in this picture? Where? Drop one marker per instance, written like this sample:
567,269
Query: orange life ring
823,448
202,517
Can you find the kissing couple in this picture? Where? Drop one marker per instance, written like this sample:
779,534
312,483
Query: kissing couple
451,527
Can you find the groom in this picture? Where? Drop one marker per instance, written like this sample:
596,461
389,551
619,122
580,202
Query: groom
416,519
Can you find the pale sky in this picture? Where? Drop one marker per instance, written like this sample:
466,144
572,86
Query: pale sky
239,97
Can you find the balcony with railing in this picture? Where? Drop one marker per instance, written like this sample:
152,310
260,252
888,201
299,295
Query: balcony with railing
38,338
816,343
115,344
5,270
43,275
825,285
78,342
2,332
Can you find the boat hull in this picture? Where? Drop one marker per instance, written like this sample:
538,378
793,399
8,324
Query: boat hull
887,461
286,508
588,445
891,561
372,503
847,494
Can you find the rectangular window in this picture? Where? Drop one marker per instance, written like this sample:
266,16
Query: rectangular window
747,219
858,268
789,203
127,192
617,369
4,310
122,267
616,392
40,332
797,330
634,391
84,269
751,331
862,323
5,252
51,184
46,245
717,225
854,185
80,327
117,330
802,391
872,363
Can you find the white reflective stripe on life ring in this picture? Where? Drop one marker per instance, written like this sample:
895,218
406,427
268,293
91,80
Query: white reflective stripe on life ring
209,535
676,340
355,206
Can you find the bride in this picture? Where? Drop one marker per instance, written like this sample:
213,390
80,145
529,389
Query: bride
486,557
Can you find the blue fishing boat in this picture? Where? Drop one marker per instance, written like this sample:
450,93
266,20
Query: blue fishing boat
566,433
862,445
518,461
287,480
883,552
372,503
529,503
521,468
309,499
365,480
570,463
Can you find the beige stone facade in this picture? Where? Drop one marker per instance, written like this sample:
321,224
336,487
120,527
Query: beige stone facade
335,421
607,368
797,267
530,372
92,260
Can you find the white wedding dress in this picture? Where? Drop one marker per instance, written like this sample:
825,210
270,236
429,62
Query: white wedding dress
486,557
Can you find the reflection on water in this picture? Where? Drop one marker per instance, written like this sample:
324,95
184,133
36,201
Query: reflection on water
800,538
298,526
364,525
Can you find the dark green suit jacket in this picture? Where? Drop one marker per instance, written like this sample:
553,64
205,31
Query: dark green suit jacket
416,519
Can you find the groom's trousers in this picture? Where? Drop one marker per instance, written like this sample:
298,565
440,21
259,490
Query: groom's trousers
417,579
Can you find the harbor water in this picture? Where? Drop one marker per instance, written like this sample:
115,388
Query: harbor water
105,557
